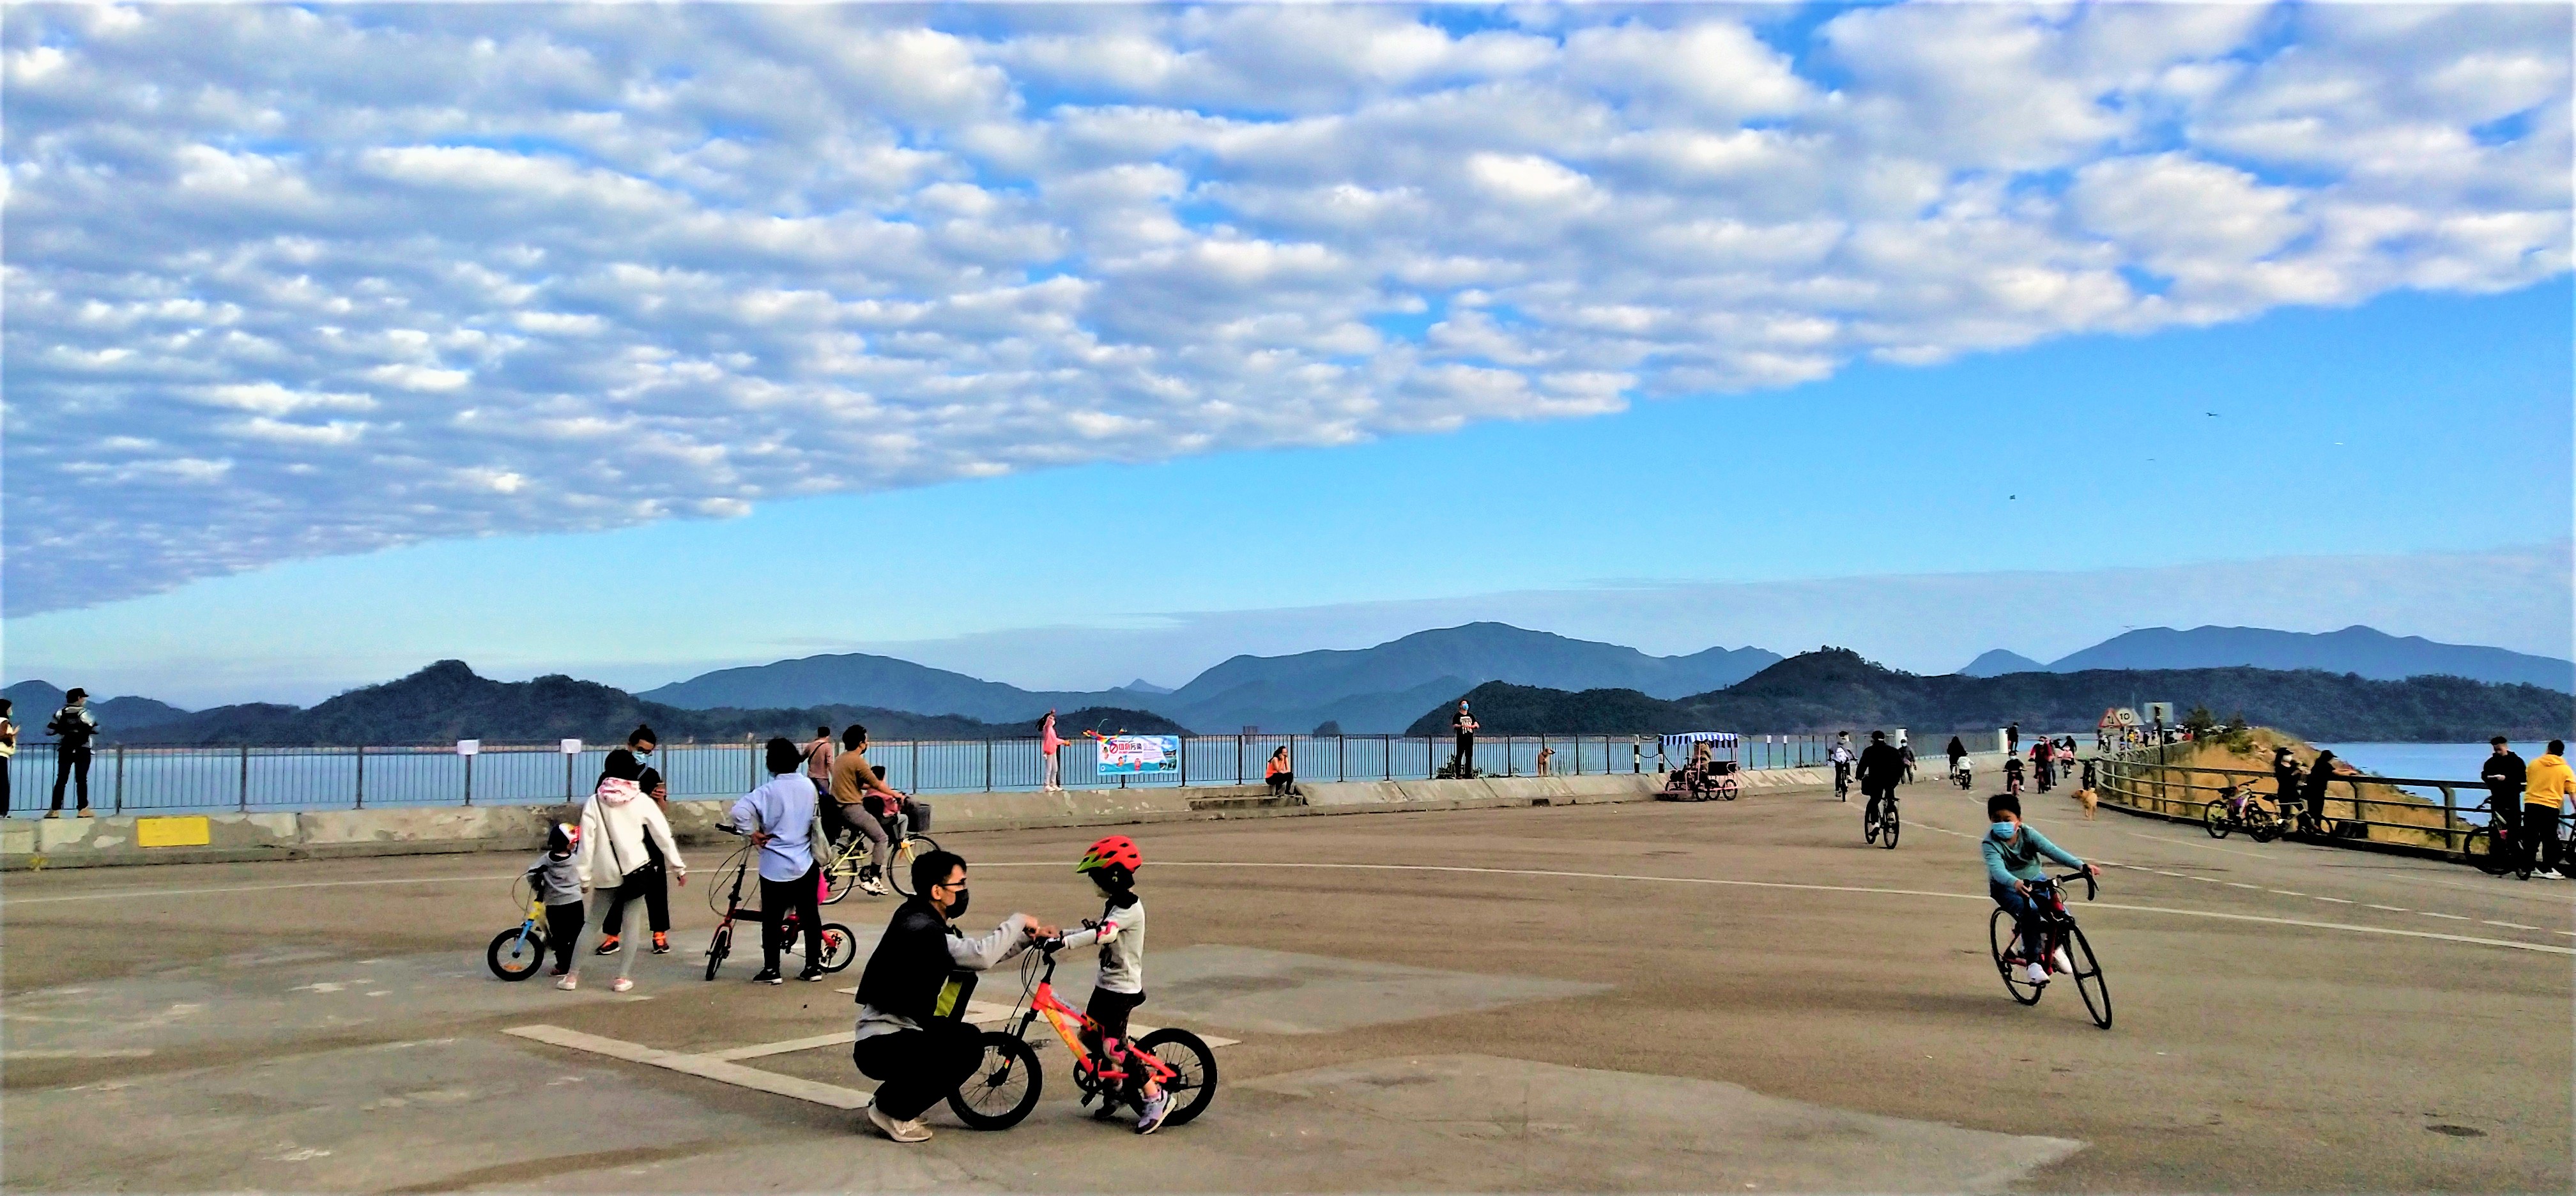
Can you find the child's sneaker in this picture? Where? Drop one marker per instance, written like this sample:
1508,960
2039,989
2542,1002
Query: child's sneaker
1157,1107
661,943
569,982
561,969
2038,973
607,946
2058,958
811,975
621,984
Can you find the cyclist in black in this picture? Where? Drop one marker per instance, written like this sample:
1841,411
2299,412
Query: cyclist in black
1882,767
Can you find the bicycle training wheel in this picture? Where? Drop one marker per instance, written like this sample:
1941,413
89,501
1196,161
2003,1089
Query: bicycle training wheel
899,865
515,954
2088,976
1999,931
717,946
1887,824
1003,1087
1186,1054
839,947
2214,817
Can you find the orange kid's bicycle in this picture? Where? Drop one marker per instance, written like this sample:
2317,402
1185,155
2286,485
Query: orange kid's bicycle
1007,1079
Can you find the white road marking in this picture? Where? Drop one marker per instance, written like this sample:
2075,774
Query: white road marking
2430,914
2394,909
2285,892
702,1066
1555,874
6,900
2510,925
109,1053
2336,900
2238,884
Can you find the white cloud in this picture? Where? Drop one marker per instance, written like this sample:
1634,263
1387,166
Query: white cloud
370,279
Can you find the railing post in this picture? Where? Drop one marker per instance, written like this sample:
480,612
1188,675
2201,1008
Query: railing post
245,778
1238,757
988,765
120,778
362,779
469,780
2450,821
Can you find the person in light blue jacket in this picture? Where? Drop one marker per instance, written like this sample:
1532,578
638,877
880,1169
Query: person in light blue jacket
2013,853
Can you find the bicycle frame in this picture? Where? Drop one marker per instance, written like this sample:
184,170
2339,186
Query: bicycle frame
1070,1024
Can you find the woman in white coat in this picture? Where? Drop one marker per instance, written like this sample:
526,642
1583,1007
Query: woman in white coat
615,824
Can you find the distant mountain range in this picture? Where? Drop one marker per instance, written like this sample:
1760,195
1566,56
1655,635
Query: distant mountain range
447,702
2356,649
1366,690
1835,690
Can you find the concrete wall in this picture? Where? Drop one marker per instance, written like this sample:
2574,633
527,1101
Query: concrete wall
96,842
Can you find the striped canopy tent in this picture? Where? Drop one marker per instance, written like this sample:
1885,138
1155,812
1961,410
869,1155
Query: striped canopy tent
1678,747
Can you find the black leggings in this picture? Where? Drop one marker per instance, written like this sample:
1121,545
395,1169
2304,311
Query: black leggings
563,931
918,1068
779,896
652,882
1466,755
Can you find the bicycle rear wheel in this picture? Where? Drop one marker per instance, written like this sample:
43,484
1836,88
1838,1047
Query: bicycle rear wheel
840,876
1194,1083
2491,857
1999,932
1869,825
2213,817
2263,825
717,945
899,861
2088,976
1887,824
1003,1087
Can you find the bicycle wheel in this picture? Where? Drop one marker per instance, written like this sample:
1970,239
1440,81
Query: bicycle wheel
717,945
2490,857
1869,825
2088,976
899,862
1188,1055
515,954
839,947
2262,825
1887,824
1726,789
1999,931
839,877
1003,1087
2214,817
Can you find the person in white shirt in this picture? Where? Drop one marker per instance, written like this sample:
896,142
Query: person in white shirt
616,823
779,817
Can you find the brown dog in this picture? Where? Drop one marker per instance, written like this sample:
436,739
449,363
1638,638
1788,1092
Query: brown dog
2091,801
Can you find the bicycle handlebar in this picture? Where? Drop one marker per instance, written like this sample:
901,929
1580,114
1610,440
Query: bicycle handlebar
2091,887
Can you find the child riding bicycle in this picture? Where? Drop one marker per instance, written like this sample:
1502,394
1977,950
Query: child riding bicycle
1111,864
2013,853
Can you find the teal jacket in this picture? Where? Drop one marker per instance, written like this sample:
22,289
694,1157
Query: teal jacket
2006,863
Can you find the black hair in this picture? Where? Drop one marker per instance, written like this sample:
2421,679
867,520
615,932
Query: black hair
1878,737
824,732
6,706
878,769
2002,803
641,734
782,754
855,736
2557,747
933,869
2498,741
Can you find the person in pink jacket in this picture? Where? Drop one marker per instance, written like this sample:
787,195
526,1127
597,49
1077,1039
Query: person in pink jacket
1052,745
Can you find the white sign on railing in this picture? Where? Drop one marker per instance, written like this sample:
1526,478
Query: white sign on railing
469,747
572,747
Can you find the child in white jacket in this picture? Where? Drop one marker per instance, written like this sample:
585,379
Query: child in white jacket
614,825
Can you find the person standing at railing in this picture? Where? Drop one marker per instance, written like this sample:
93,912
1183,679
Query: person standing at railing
73,729
2320,773
1050,746
1464,725
8,750
2503,776
2546,785
652,883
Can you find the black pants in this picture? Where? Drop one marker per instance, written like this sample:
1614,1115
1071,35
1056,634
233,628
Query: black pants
776,898
4,786
72,764
1282,782
652,882
2540,836
916,1069
1877,794
563,931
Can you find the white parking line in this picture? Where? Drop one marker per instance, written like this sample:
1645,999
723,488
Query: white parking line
2430,914
2394,909
702,1066
2509,925
2238,884
2286,892
2336,900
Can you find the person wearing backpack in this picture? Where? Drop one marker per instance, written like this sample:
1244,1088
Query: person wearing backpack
73,728
617,823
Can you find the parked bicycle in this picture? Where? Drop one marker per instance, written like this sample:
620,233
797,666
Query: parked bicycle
1007,1080
2496,846
839,946
2060,933
2244,810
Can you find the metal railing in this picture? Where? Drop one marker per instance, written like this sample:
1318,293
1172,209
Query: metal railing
2149,782
148,778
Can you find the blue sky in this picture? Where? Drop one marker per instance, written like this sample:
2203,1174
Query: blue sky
1069,345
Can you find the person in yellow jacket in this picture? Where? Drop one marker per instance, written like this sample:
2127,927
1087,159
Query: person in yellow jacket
2545,789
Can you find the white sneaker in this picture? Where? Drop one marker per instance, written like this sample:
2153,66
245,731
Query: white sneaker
2059,958
621,984
2038,973
900,1131
568,983
2550,874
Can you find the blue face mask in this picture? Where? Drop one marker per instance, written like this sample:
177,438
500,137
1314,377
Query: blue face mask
2001,830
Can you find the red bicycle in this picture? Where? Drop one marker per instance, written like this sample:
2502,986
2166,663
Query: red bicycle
839,946
1007,1080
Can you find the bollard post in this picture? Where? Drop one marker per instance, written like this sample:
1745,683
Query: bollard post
2450,821
245,778
362,779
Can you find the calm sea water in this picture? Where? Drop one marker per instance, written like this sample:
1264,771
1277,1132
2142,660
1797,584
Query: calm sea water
2430,761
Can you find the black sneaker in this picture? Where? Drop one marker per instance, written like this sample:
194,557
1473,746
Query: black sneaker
810,975
607,946
661,943
768,976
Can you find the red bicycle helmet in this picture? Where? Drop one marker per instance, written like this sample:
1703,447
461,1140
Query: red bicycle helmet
1116,851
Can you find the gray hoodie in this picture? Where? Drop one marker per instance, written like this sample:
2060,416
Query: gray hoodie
557,879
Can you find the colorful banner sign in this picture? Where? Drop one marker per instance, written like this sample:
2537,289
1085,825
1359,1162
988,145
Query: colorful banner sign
1131,755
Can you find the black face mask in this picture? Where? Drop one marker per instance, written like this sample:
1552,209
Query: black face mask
957,908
